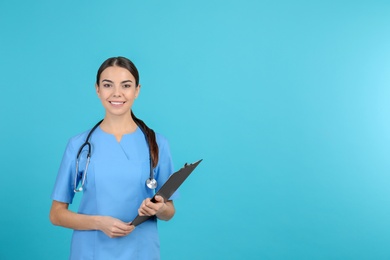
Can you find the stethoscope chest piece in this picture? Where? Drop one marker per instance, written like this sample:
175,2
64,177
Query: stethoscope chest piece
151,183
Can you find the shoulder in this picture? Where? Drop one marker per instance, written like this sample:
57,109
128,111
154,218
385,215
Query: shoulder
77,140
161,140
164,151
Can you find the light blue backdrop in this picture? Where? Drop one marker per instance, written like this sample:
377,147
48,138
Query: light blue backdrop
287,102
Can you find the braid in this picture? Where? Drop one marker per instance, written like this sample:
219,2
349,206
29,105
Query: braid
150,136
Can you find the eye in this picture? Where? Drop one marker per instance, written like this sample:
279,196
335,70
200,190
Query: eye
127,86
106,85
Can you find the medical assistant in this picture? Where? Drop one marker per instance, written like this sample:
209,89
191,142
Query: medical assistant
115,186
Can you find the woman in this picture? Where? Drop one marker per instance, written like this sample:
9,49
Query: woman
114,191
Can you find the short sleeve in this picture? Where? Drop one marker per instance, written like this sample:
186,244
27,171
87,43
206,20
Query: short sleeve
164,167
63,188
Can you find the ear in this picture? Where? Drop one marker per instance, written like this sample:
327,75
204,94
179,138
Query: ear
97,90
137,90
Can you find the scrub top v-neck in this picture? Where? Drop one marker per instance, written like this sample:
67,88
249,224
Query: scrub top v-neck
114,186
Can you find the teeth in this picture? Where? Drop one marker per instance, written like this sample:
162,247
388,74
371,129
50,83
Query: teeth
117,103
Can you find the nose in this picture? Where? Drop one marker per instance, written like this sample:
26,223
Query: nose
117,91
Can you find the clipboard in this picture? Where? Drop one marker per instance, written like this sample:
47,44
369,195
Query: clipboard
170,186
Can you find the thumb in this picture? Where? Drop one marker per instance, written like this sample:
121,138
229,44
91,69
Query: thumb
159,198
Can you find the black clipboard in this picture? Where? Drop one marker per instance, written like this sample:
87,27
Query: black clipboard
170,186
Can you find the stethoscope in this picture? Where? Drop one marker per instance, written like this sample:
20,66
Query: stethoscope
151,182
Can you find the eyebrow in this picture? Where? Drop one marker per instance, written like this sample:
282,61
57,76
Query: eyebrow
110,81
126,81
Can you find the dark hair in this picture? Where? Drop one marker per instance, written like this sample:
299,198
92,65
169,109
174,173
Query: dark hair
119,62
129,65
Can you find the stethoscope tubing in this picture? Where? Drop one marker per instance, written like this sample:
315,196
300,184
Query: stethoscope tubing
151,182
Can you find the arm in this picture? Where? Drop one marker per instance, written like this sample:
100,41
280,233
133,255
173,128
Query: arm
163,210
60,215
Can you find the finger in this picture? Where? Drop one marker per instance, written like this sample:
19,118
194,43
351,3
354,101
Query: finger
123,227
147,211
124,232
119,235
158,202
132,227
159,198
151,208
142,212
156,206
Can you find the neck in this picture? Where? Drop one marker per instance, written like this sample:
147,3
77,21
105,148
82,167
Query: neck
118,125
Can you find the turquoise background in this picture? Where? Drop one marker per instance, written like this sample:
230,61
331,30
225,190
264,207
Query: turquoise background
287,102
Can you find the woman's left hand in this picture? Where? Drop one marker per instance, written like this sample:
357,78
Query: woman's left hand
149,208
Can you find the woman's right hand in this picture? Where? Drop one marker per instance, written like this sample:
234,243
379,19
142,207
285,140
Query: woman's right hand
60,215
113,227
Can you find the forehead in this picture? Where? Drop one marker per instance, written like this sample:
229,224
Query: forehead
116,73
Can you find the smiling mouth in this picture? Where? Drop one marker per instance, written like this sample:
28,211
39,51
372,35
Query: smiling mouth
117,102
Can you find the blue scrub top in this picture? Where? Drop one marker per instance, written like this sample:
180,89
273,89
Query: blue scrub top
114,186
